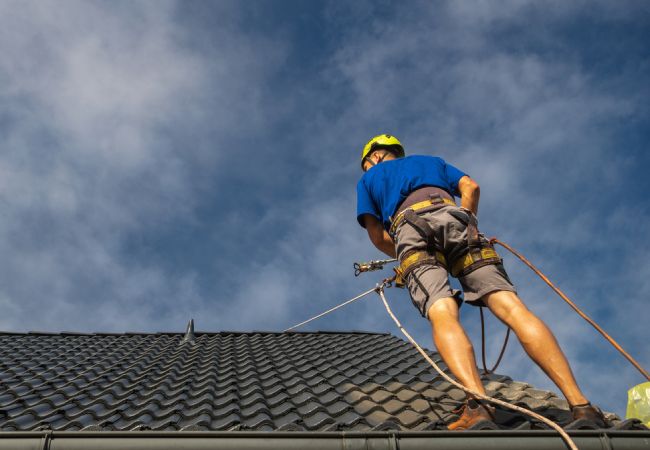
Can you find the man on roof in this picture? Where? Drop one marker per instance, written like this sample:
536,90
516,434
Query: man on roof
407,206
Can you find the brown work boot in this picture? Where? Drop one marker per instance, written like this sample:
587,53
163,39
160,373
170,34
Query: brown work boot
590,413
471,414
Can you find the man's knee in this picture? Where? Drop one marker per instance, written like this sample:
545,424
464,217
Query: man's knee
443,309
507,306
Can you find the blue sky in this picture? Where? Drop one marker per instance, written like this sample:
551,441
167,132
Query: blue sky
161,161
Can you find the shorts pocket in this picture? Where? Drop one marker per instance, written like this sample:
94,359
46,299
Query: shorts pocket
417,291
460,215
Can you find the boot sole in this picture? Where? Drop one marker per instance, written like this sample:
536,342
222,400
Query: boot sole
480,425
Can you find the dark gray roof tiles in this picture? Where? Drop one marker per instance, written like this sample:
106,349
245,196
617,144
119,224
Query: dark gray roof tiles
235,381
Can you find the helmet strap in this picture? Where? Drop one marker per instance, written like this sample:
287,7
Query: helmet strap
381,157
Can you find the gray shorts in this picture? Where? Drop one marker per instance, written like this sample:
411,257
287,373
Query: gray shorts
427,284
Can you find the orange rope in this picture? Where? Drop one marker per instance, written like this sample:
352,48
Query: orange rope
503,348
575,308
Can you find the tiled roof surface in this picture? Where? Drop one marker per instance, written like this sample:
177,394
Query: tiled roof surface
235,381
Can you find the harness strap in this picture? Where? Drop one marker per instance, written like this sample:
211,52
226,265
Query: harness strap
422,227
414,259
435,202
479,251
473,239
475,259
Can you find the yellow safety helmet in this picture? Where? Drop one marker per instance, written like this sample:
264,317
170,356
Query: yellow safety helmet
383,141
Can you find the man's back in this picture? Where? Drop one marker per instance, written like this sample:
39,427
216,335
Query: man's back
384,187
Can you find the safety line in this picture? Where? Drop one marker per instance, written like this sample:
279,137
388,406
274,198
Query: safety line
380,290
503,348
347,302
573,305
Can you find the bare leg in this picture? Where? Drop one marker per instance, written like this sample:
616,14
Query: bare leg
453,344
538,341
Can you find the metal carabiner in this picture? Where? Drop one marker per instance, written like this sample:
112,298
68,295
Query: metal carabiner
371,266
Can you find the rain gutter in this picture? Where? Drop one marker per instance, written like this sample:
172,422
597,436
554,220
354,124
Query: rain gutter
377,440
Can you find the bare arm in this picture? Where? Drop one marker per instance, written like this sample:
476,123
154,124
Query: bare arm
378,236
469,194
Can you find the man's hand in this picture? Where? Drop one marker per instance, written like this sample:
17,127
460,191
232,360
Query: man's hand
378,236
469,194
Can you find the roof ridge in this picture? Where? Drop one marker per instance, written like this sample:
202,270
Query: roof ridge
181,333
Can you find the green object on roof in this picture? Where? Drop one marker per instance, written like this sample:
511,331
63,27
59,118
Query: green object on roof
638,403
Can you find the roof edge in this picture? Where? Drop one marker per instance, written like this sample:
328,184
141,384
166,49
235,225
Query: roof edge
611,432
378,440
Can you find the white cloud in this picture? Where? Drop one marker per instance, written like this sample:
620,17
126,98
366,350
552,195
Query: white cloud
108,120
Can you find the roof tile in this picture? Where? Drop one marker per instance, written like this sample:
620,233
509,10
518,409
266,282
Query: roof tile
410,418
394,406
380,396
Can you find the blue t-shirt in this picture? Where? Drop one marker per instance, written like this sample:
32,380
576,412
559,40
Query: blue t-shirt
385,186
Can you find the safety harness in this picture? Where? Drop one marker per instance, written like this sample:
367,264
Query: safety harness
480,251
431,204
